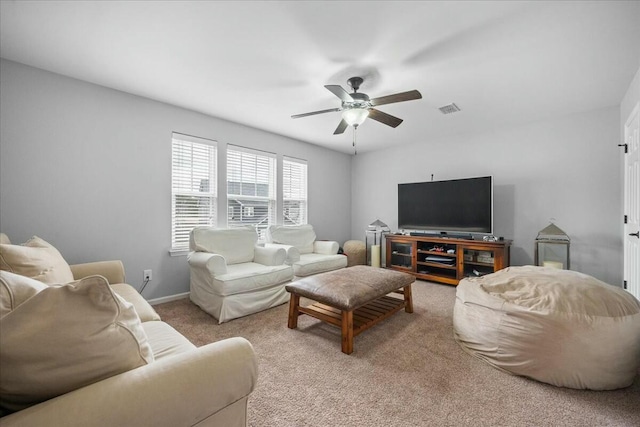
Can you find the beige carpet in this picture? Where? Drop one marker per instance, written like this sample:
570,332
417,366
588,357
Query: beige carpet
405,371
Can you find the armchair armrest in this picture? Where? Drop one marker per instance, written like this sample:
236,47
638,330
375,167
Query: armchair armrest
326,247
182,390
293,254
269,255
213,263
113,271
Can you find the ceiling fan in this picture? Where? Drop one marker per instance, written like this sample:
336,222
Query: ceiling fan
356,106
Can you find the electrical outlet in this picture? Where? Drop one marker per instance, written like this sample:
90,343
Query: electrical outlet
147,275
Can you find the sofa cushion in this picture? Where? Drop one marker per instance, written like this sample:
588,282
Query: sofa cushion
250,277
4,239
164,340
36,259
16,289
316,263
145,312
236,245
66,337
300,236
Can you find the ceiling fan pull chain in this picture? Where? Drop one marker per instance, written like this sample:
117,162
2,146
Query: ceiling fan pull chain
355,151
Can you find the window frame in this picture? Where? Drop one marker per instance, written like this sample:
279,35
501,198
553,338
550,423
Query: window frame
290,191
202,165
254,161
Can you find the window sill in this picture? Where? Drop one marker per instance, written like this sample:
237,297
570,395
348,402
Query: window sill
179,252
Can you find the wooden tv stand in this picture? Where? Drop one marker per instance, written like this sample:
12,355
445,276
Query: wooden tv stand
419,256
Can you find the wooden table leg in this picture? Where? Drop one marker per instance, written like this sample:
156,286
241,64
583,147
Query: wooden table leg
347,332
294,303
408,299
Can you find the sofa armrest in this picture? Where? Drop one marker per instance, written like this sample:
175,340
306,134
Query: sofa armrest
113,271
269,255
293,254
326,247
182,390
214,263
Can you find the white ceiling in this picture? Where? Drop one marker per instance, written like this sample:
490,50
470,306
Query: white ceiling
257,63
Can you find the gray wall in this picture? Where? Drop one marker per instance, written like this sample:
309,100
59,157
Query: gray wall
631,98
567,168
89,170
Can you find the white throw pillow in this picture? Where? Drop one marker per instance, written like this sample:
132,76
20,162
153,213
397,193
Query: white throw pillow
66,337
36,259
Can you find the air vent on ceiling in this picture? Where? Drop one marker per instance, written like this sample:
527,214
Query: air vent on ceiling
449,109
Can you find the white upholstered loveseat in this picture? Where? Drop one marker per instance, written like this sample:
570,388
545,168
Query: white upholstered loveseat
231,276
305,254
94,353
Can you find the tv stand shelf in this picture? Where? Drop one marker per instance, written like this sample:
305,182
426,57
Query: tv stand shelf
444,259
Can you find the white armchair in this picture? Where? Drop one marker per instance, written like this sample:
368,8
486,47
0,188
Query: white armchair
232,277
305,254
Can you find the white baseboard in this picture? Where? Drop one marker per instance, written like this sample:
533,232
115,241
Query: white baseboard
170,298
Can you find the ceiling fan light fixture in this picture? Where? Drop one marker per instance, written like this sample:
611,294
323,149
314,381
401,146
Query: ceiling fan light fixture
355,116
357,106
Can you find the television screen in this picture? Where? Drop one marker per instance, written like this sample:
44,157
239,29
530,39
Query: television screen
464,205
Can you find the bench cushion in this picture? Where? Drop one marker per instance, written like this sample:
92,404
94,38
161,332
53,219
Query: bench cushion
350,288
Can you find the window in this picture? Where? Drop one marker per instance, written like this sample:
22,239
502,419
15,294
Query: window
294,191
193,187
251,188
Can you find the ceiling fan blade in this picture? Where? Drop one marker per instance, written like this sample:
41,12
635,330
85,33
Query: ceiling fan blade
341,127
330,110
398,97
339,92
385,118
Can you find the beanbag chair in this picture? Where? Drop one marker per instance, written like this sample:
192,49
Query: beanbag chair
556,326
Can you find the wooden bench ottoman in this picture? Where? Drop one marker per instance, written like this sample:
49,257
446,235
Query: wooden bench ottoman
353,298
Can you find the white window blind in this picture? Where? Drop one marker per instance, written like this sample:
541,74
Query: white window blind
294,191
193,187
251,188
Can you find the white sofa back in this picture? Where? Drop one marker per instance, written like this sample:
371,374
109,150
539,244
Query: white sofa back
236,245
300,236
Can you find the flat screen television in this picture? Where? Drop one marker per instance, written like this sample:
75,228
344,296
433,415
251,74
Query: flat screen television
457,205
